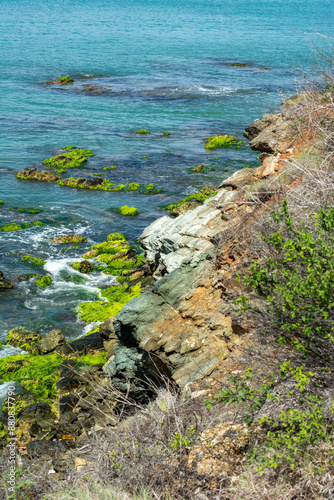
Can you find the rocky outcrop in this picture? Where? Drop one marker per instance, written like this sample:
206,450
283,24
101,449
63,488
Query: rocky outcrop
23,339
5,284
50,342
33,174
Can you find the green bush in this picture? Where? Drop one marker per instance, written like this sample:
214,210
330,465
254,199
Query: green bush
297,281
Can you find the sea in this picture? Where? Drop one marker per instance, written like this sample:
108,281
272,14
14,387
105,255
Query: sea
191,68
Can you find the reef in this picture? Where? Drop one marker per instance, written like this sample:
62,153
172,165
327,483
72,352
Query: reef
34,261
128,211
73,159
5,284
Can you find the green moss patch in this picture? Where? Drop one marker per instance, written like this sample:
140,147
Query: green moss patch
106,185
219,141
34,261
44,281
143,131
1,202
112,167
128,211
74,158
116,297
205,193
14,226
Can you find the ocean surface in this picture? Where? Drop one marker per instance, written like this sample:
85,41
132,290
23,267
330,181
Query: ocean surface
139,64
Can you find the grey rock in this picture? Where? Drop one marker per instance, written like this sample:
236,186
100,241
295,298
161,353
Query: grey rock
50,342
35,411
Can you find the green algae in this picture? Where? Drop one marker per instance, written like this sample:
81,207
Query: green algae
133,186
1,202
65,79
82,267
34,261
36,373
112,167
143,131
116,237
94,359
38,223
166,133
44,281
128,211
111,247
205,193
219,141
199,169
73,159
14,226
116,296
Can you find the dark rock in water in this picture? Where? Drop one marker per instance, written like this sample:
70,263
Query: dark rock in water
94,182
132,370
84,345
50,342
23,338
35,412
33,174
69,238
4,283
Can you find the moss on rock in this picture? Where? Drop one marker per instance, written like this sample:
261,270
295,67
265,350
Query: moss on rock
73,159
205,193
14,226
219,141
69,238
44,281
128,211
34,261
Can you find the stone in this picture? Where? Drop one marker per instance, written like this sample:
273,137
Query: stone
107,330
50,342
84,345
35,412
130,369
33,174
189,205
5,284
69,238
23,339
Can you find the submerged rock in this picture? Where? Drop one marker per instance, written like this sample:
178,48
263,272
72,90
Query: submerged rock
4,283
69,238
23,339
33,174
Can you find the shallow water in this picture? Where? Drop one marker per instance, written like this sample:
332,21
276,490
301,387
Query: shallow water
148,64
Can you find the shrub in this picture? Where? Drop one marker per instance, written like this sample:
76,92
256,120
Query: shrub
297,281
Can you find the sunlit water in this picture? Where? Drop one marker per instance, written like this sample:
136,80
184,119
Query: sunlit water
161,66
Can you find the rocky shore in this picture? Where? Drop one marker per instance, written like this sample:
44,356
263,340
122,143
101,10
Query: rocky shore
183,327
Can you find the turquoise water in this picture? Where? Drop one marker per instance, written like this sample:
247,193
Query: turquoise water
162,66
